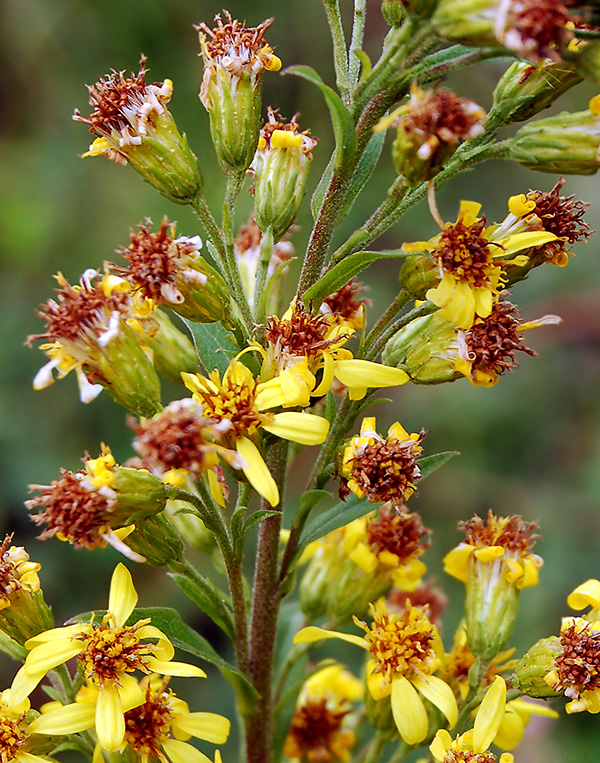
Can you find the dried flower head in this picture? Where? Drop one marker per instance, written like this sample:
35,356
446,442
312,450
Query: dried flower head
534,29
17,572
343,306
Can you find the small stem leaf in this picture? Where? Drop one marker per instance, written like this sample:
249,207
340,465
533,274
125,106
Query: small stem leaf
429,464
363,171
206,597
343,125
330,407
240,527
214,345
340,274
318,196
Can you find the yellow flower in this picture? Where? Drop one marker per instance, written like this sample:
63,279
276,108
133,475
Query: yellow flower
320,726
586,595
470,261
302,346
516,718
108,654
405,652
382,469
237,405
156,728
16,745
472,746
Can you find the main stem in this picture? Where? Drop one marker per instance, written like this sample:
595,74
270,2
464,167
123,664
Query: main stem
266,599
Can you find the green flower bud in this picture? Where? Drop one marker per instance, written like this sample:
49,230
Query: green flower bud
379,713
587,60
133,126
525,90
538,661
467,21
281,168
419,274
430,127
394,12
139,494
157,540
426,349
172,350
234,60
566,144
23,611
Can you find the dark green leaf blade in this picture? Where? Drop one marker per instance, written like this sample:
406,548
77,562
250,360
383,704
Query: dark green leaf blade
214,345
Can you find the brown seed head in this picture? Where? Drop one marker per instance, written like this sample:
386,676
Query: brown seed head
510,532
464,252
400,533
233,40
579,665
536,29
302,335
443,115
316,734
111,651
148,725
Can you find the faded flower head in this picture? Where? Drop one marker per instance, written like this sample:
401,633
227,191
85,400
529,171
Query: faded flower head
171,272
17,572
381,468
97,328
133,125
430,127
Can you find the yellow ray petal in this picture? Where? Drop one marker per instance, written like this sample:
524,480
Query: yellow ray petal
70,719
181,752
172,668
110,723
364,373
312,633
47,656
55,634
256,471
164,649
526,240
211,727
304,428
440,745
130,693
585,595
123,596
409,711
489,716
439,694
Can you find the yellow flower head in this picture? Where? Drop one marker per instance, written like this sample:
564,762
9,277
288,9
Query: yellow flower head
487,349
17,572
471,262
17,743
108,653
237,406
576,670
405,650
320,727
381,468
302,347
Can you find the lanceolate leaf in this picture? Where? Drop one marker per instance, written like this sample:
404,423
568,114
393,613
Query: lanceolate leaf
341,273
206,597
428,464
363,171
343,125
214,344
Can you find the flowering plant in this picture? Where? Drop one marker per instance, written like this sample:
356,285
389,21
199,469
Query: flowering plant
261,378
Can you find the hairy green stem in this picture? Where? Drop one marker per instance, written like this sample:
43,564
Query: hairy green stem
266,600
235,180
358,33
399,303
340,53
264,260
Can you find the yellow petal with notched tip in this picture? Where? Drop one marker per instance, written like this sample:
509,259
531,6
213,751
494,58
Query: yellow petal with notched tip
409,711
54,634
70,719
211,727
489,715
585,595
181,752
110,723
363,373
256,471
123,596
312,633
304,428
439,694
171,668
47,656
460,309
164,649
526,240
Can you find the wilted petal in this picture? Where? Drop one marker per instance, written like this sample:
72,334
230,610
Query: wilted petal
586,594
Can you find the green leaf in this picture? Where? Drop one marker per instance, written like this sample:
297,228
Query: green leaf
206,597
12,648
338,516
340,274
214,345
180,634
367,66
240,527
428,464
330,407
363,171
343,125
318,196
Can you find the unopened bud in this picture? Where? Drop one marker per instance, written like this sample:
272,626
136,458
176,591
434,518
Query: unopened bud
524,90
281,168
426,349
538,661
234,60
394,12
172,350
566,143
157,540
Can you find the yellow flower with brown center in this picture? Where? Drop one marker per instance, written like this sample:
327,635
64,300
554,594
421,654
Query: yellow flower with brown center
237,406
471,261
495,563
405,651
156,729
108,653
302,347
487,349
320,730
381,468
97,328
17,740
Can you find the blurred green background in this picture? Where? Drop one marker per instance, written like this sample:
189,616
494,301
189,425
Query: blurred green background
531,445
